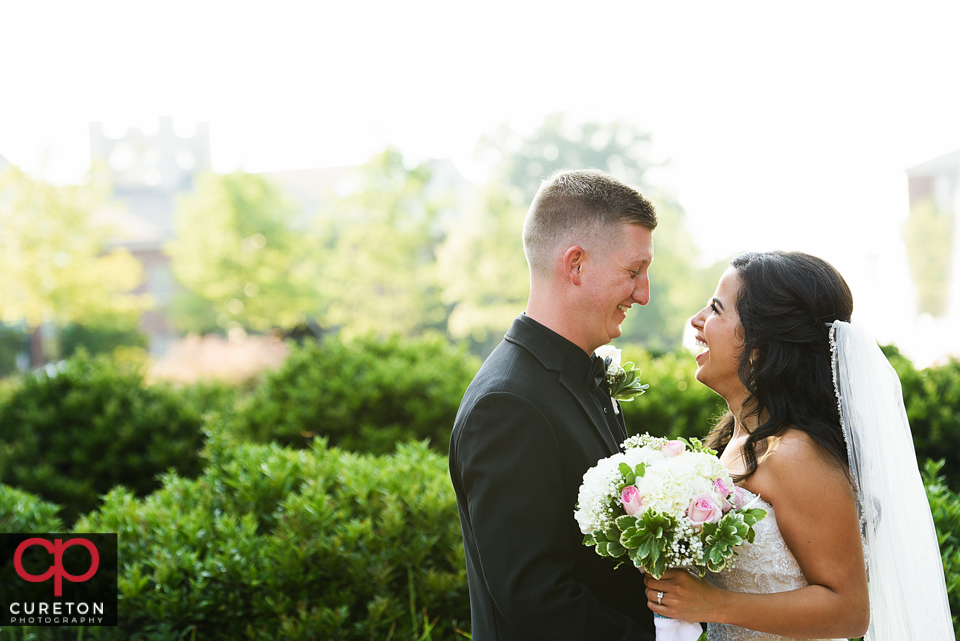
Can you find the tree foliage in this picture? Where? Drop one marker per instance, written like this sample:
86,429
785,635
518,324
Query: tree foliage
379,275
562,143
928,235
54,260
242,257
483,270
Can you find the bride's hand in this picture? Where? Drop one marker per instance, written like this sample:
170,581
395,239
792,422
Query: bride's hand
684,596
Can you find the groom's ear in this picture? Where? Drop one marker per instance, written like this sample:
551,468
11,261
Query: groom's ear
573,260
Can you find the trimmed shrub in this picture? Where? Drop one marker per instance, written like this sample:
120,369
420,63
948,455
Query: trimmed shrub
272,542
72,436
98,340
364,395
945,506
932,400
676,403
23,512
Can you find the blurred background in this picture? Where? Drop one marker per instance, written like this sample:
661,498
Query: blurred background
192,192
199,179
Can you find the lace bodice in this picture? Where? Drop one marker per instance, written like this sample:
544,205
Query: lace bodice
762,567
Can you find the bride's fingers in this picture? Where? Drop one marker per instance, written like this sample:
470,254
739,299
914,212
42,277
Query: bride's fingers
654,597
659,584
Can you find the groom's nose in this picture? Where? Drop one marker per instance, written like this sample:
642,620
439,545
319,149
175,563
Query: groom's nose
641,293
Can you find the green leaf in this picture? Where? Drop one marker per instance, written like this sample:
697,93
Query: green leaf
615,549
612,533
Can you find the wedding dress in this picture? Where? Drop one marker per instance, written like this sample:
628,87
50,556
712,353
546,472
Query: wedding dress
762,567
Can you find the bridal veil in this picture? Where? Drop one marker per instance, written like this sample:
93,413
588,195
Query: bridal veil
908,596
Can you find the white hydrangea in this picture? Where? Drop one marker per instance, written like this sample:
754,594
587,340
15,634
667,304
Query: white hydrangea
600,483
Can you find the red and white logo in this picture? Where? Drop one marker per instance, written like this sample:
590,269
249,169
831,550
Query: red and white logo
56,570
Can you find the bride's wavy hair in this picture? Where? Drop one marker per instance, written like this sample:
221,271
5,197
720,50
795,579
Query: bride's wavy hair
786,302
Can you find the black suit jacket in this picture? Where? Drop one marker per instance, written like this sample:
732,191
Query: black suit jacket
527,430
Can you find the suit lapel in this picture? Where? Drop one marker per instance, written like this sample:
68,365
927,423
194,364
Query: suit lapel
592,408
552,359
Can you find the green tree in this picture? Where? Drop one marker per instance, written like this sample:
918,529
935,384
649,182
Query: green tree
484,272
380,273
928,235
54,261
679,285
523,162
242,257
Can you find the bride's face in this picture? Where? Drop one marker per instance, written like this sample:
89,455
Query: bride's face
720,337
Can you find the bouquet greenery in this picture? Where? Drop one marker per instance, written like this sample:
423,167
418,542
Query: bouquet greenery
665,504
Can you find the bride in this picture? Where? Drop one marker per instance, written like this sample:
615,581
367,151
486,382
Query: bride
841,488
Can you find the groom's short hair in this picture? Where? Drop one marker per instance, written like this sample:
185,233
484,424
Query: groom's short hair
580,207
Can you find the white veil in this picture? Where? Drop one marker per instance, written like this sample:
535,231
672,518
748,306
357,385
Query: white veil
908,596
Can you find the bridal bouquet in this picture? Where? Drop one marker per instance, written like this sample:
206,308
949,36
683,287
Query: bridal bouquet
665,504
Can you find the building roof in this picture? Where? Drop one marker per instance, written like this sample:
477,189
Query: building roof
946,164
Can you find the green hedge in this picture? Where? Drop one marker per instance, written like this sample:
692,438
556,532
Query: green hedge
98,340
309,544
932,400
25,512
364,395
945,507
73,436
271,542
676,404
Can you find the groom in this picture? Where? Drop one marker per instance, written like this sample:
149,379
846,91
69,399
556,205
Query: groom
537,416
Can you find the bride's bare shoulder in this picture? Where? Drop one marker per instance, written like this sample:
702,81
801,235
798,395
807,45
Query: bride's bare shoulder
796,454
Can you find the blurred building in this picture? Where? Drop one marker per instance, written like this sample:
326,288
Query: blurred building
148,171
937,179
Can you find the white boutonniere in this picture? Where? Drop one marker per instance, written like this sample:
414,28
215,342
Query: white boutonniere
622,381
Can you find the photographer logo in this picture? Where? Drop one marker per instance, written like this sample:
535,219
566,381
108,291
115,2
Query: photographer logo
58,579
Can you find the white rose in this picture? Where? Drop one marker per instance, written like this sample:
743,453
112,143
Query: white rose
609,351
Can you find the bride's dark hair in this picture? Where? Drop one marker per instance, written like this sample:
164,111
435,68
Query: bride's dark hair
786,302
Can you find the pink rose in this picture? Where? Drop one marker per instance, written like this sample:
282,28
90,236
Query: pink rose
673,448
721,487
739,498
631,499
724,493
703,509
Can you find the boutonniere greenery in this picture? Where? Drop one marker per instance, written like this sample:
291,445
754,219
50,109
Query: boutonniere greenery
623,381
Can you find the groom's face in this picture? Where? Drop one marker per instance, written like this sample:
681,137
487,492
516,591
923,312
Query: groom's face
618,279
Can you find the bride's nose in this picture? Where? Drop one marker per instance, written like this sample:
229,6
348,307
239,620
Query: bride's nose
697,320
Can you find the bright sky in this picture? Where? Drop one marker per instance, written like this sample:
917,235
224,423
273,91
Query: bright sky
788,125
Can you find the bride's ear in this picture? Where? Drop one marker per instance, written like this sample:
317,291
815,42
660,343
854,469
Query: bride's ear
573,261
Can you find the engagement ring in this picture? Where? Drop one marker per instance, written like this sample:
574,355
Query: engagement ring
660,598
